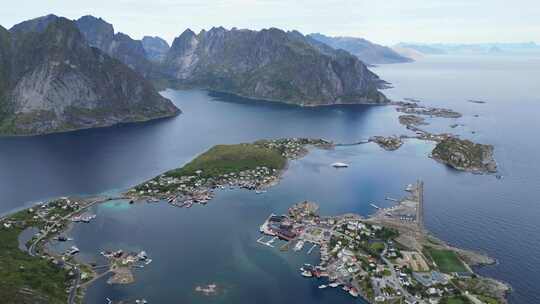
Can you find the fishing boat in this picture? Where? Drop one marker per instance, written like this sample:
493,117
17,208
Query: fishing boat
299,246
306,274
340,165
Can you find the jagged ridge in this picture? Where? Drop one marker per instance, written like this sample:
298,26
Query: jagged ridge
56,82
270,64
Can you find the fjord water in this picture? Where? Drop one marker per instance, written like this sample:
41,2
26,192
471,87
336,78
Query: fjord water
217,244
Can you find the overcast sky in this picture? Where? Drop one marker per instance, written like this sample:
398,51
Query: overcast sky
382,21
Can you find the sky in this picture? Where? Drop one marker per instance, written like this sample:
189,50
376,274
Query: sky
382,21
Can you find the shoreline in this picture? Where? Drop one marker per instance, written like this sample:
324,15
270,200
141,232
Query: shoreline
93,201
364,264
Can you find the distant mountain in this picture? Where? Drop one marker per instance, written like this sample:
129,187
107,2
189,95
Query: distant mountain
472,48
422,48
156,48
365,50
409,53
270,64
51,80
101,34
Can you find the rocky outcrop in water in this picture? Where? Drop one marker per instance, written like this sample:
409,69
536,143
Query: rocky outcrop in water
365,50
465,155
51,80
270,64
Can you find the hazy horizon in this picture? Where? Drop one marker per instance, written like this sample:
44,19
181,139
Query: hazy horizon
388,23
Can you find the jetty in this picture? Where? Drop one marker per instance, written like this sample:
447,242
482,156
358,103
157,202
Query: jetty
375,206
267,243
311,249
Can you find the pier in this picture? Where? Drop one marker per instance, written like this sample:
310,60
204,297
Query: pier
267,243
375,206
361,142
311,249
420,210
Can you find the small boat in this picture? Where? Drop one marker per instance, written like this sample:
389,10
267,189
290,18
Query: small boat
298,246
333,285
73,250
353,292
340,165
322,286
306,274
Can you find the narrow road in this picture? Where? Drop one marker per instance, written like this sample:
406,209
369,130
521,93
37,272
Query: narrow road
75,286
395,278
32,249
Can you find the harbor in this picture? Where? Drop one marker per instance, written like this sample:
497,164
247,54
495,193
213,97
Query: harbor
376,258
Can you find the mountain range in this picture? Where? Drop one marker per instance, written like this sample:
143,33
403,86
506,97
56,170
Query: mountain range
52,80
270,64
365,50
472,48
58,74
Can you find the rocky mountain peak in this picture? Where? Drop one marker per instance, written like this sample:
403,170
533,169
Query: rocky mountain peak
58,82
97,31
155,47
33,25
270,64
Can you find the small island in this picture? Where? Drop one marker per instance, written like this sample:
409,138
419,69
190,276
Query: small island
412,120
389,143
253,166
465,155
416,109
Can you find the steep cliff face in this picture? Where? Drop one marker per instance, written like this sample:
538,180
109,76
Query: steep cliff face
58,82
100,34
155,47
5,69
270,64
365,50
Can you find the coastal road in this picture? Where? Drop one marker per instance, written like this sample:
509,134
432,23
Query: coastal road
393,272
32,248
75,286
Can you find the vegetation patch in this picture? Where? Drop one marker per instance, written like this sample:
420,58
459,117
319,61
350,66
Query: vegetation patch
455,300
447,261
225,159
26,279
465,155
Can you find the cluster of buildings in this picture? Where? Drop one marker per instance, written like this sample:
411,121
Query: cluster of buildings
184,191
122,258
360,257
293,148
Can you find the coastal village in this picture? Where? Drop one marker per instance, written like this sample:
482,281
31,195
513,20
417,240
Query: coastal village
387,258
259,166
383,259
48,222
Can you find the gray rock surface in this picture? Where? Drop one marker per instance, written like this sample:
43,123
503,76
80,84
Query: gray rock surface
52,81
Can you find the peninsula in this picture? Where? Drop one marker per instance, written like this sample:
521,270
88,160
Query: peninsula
254,166
387,258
